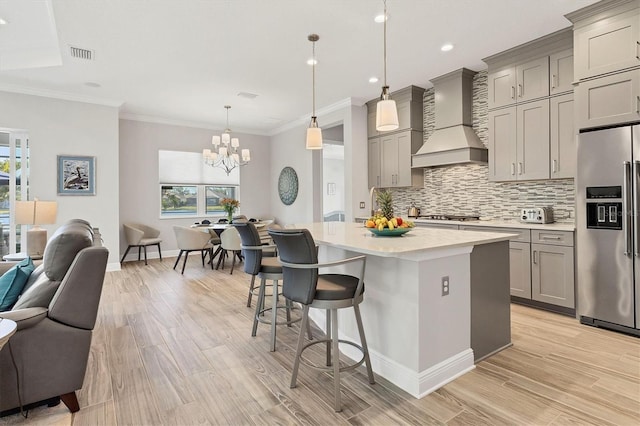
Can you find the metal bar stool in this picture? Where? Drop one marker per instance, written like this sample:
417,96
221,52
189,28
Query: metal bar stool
303,284
265,268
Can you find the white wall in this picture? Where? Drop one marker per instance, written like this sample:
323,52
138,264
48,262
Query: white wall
288,149
139,187
58,127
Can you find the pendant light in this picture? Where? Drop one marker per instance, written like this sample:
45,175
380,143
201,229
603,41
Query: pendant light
386,111
314,132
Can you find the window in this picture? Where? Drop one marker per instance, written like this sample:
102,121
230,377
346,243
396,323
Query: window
213,196
190,188
179,200
14,185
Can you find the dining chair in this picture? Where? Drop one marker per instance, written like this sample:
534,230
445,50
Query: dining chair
230,243
141,236
190,240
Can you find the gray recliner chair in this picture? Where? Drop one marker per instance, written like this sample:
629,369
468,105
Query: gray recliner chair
55,315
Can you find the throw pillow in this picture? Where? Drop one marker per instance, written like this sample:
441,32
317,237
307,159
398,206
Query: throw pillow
12,283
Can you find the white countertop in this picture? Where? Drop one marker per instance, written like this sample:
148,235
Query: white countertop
556,226
355,237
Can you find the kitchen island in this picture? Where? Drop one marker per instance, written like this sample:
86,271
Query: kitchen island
419,338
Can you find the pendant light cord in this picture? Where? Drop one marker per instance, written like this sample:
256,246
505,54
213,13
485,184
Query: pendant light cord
385,42
313,79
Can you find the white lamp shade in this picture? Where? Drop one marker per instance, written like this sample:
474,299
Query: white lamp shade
36,212
213,156
235,142
235,157
215,140
226,138
386,116
206,153
246,155
314,138
222,151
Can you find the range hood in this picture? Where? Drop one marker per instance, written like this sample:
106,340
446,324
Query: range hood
453,141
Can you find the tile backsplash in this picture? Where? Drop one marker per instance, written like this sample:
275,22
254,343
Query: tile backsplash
466,189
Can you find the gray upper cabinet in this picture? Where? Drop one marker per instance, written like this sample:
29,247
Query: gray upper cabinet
390,152
561,72
519,142
395,160
607,45
373,149
519,83
563,137
609,100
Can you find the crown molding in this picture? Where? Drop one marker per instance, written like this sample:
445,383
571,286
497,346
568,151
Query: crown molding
347,102
184,123
23,90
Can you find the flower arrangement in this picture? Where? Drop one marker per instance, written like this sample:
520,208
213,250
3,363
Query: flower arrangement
229,205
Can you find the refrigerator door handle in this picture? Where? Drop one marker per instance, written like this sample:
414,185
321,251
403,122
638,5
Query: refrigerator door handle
636,208
627,203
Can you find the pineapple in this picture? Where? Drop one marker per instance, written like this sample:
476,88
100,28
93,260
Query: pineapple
386,203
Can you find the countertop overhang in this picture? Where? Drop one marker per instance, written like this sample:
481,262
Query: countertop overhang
355,237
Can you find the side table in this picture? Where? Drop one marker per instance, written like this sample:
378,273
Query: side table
7,328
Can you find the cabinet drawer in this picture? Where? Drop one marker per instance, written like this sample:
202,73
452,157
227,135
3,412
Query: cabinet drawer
523,235
560,238
614,99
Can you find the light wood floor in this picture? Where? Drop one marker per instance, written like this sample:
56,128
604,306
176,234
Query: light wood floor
176,349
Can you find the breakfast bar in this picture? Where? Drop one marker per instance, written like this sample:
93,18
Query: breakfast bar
436,300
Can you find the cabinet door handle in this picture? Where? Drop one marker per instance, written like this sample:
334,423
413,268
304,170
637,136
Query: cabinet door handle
520,167
513,92
638,50
555,166
535,257
550,237
520,90
553,81
513,169
637,104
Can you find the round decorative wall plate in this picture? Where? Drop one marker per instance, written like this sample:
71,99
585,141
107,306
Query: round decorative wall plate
288,185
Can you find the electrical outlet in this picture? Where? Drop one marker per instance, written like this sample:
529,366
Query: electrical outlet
445,286
362,204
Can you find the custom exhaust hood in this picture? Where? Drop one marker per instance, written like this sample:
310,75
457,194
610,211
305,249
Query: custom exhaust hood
453,141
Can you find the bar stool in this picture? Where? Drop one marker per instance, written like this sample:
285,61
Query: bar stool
303,284
265,268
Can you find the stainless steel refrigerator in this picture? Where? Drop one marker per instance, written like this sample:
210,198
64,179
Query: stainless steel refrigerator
608,228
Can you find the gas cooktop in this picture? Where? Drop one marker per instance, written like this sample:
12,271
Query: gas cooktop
460,218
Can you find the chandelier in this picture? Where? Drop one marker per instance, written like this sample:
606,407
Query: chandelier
226,152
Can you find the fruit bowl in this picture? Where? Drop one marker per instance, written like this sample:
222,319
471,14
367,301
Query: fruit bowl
386,232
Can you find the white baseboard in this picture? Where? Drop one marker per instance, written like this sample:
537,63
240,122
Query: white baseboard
418,384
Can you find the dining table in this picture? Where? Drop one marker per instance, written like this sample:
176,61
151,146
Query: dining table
220,227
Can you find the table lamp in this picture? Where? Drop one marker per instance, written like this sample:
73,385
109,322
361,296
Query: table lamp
36,213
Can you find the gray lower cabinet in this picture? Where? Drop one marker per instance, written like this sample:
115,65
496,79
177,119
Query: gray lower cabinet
541,264
552,274
520,269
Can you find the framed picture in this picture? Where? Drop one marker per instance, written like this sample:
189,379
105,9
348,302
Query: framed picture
76,175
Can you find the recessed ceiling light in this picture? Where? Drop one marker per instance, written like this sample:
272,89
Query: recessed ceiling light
446,47
92,84
247,95
373,80
3,21
380,18
312,61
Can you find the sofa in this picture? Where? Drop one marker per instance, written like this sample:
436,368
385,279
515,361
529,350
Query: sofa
55,316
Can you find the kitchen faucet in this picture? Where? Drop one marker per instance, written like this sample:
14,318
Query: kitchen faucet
371,191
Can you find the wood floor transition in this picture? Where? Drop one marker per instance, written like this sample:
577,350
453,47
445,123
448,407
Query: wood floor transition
176,349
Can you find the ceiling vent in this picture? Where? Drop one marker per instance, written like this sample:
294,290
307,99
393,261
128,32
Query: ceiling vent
80,53
247,95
